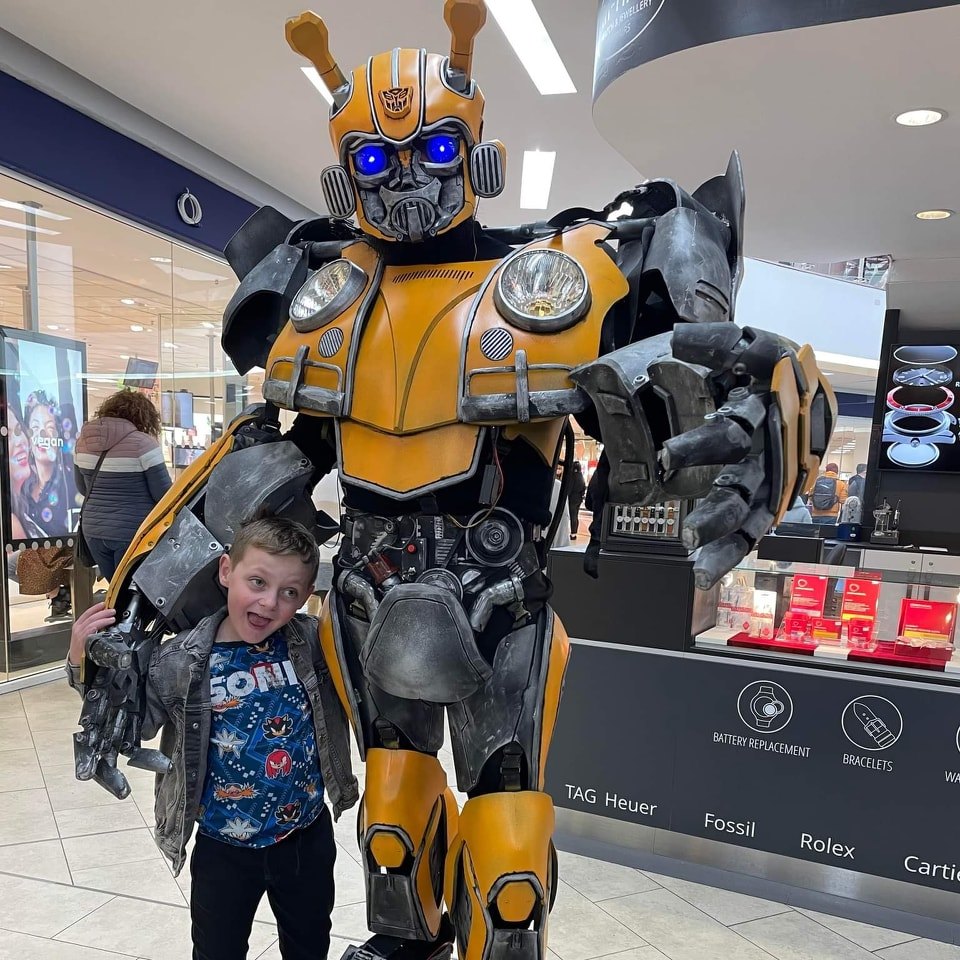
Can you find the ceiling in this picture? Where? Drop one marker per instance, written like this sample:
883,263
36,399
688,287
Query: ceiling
829,175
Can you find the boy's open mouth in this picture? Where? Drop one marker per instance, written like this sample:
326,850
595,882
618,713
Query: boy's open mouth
258,622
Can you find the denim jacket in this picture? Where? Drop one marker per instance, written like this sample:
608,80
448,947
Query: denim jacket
178,705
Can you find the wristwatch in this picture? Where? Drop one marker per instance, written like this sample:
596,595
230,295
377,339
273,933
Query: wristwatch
765,706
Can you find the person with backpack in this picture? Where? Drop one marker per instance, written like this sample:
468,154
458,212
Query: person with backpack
857,482
829,493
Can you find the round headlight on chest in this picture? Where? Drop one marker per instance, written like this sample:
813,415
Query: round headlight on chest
542,291
328,292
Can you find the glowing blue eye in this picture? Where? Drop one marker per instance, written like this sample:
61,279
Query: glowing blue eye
370,160
442,148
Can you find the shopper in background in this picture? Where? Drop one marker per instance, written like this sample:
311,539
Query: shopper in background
132,478
798,513
857,482
578,489
829,492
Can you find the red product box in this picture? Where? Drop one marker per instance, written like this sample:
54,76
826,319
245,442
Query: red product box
809,595
826,629
926,623
860,599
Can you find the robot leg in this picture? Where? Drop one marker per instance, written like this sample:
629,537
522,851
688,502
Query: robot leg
501,872
408,815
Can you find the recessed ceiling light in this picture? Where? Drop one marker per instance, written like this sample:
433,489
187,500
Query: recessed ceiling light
524,30
920,118
128,301
536,179
169,345
52,326
136,328
161,259
36,211
209,325
5,266
934,214
124,356
313,75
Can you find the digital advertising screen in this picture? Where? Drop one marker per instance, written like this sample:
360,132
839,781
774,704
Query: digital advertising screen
140,374
176,409
42,407
920,421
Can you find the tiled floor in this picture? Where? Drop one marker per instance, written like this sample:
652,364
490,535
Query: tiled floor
80,879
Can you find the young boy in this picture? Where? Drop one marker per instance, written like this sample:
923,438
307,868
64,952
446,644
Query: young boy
250,717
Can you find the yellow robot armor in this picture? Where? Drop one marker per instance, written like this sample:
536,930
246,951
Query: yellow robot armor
406,127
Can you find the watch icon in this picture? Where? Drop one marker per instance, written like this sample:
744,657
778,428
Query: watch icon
765,706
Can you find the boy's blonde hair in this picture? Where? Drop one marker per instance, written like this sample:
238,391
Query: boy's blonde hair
280,537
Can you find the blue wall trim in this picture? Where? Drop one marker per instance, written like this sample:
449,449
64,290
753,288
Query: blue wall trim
57,145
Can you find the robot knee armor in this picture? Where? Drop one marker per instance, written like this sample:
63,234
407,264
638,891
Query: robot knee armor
502,875
406,823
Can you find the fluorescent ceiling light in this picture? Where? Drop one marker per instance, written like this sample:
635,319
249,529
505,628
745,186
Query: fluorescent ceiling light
920,118
313,76
536,180
29,229
934,214
52,326
136,328
209,325
36,211
128,301
124,356
169,345
5,266
161,259
523,28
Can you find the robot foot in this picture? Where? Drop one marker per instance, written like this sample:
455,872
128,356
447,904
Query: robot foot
383,947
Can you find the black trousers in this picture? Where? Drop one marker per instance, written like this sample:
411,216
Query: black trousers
228,883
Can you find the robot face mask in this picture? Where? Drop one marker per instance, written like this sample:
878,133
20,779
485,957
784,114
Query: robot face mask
406,127
413,191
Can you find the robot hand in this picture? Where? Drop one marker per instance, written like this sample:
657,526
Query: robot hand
771,428
114,704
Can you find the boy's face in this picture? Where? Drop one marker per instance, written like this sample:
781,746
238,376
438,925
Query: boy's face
263,592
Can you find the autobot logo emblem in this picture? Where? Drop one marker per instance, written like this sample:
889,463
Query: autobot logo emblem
396,101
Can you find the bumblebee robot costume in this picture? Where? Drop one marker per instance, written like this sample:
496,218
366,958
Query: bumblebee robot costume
436,364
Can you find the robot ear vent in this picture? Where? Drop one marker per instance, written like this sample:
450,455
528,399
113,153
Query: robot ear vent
338,191
486,169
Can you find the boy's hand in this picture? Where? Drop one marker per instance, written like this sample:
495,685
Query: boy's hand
98,617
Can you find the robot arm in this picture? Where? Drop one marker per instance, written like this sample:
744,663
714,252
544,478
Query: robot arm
167,581
736,418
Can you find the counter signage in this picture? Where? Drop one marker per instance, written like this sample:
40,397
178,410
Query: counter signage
809,595
821,767
927,620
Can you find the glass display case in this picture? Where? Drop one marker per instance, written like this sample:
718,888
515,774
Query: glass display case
890,611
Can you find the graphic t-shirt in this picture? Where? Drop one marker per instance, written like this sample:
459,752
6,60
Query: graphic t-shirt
263,779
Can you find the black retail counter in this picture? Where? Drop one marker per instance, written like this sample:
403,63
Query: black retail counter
830,789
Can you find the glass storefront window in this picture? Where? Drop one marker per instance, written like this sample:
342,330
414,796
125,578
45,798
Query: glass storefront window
149,313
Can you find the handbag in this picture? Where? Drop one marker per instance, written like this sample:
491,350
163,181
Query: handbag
81,550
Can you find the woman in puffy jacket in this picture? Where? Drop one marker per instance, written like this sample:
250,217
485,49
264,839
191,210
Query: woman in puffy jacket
132,478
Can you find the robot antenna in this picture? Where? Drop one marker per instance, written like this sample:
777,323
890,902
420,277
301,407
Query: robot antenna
465,18
307,35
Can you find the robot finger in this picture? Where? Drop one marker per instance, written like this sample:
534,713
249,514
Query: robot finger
744,477
723,511
146,759
110,777
718,441
718,558
725,347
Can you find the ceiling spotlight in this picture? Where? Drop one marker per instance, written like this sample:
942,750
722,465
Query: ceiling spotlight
920,118
209,326
128,301
136,328
52,326
934,214
161,259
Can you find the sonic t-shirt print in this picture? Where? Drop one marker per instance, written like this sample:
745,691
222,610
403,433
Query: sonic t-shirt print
262,778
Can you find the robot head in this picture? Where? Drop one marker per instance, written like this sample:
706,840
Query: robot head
407,131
